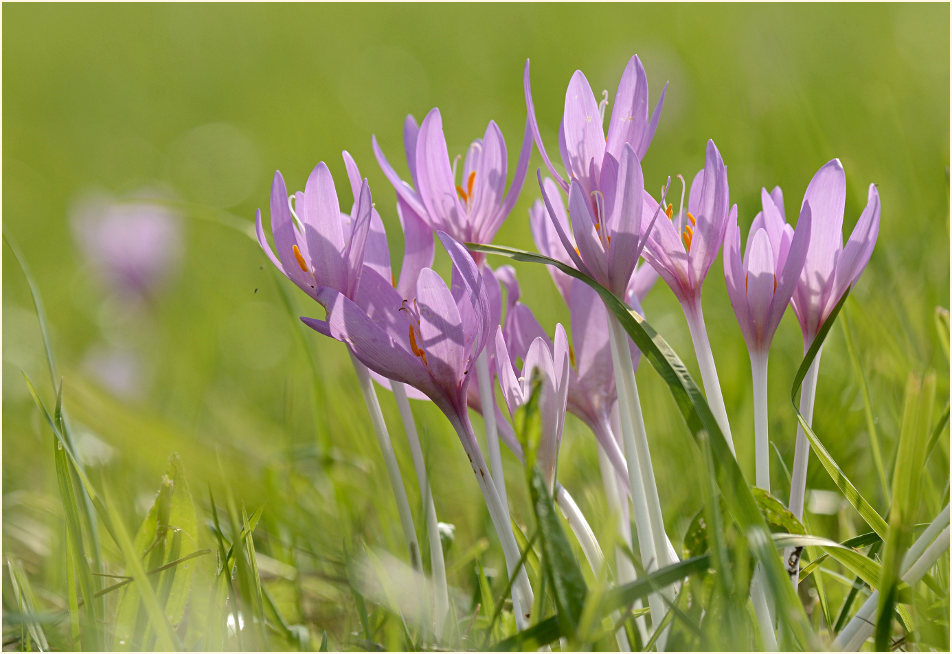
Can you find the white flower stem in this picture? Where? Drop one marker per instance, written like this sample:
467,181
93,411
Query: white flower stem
758,598
644,493
625,570
705,360
590,547
933,543
758,369
488,402
801,453
521,590
441,600
580,527
390,460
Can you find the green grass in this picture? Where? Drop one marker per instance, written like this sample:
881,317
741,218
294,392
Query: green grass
278,490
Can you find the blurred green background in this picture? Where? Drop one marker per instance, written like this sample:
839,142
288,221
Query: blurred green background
205,102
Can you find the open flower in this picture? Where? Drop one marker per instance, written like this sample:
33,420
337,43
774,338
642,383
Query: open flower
830,267
760,285
608,226
548,363
582,141
471,207
682,251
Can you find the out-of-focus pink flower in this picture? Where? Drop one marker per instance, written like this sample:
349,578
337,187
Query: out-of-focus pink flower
134,245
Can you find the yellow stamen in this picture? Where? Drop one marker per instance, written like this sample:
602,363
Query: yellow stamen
466,193
775,283
692,219
572,356
416,349
470,182
299,257
577,252
669,212
687,237
393,280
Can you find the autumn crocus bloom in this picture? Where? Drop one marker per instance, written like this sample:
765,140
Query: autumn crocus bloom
548,363
608,225
133,244
469,205
583,144
831,268
829,271
759,287
683,251
425,342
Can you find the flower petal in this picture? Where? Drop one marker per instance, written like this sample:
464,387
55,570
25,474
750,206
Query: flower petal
474,283
435,177
441,330
533,125
630,111
512,391
583,228
624,222
418,247
354,254
561,226
760,283
321,216
404,191
489,185
518,180
734,277
788,271
582,131
826,195
410,131
853,259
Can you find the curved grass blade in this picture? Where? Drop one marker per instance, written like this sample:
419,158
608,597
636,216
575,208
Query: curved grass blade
852,495
693,407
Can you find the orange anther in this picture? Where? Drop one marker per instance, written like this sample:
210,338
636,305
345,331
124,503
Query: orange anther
669,212
416,349
461,192
692,219
470,182
299,257
775,283
687,237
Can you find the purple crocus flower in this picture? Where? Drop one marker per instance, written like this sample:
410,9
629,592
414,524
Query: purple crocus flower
760,286
548,243
608,225
547,361
683,253
470,208
133,245
831,267
584,147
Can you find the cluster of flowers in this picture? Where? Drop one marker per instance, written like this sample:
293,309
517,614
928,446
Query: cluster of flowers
597,217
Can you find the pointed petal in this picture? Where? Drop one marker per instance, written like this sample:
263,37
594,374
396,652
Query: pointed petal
323,227
547,240
711,215
435,178
418,247
511,389
583,228
518,180
520,330
410,131
282,227
789,275
590,341
404,191
760,280
441,330
652,124
624,223
826,195
582,130
642,281
263,242
354,254
473,281
534,127
859,248
552,199
734,277
630,111
489,184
